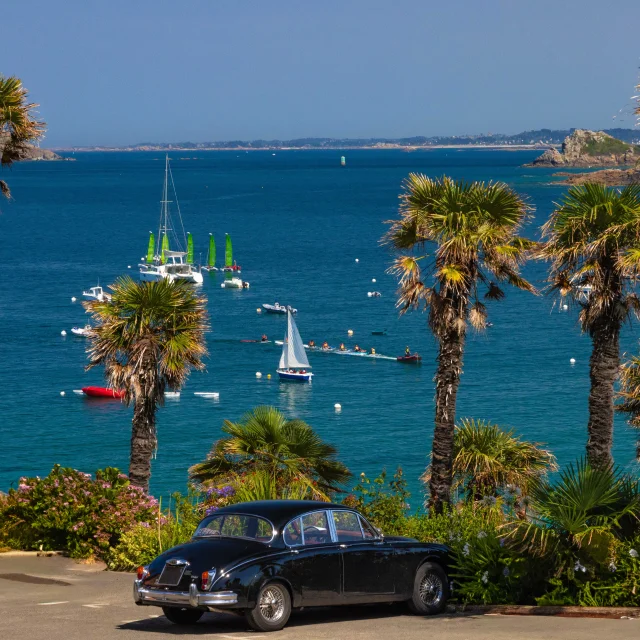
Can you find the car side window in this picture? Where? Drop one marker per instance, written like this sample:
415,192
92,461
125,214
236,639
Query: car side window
292,533
315,528
347,526
369,532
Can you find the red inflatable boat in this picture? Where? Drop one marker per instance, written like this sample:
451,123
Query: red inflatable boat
414,358
101,392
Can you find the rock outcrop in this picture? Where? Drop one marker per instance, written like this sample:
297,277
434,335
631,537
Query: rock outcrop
585,148
35,153
606,177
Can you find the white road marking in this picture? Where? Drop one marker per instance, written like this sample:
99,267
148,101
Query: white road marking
95,606
151,615
46,604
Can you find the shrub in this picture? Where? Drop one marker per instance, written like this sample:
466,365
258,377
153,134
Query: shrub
70,511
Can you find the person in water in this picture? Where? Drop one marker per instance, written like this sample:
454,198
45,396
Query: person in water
357,349
264,338
325,345
342,347
312,343
373,351
407,351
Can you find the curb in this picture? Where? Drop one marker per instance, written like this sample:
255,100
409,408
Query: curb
33,554
565,612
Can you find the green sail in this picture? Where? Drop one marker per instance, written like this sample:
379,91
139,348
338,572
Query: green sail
212,251
165,246
189,248
228,254
151,249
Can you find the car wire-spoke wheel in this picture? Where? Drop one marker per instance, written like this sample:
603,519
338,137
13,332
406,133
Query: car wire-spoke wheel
272,604
431,589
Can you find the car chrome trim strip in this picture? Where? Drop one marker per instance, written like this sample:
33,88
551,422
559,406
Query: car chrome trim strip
191,598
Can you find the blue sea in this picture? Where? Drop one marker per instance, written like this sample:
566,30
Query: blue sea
298,221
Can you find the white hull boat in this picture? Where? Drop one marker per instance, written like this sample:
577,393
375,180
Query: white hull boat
81,331
96,293
278,308
294,364
162,263
235,283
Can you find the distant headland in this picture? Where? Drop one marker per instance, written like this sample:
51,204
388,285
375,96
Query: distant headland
540,138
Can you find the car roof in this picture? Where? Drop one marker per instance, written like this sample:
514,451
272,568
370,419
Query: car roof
279,512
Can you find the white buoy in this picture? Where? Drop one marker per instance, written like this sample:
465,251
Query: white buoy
369,293
349,332
258,374
63,333
73,299
565,307
128,266
373,279
258,310
62,393
572,360
357,260
337,406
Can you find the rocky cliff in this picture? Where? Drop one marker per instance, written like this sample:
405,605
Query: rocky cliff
607,177
589,149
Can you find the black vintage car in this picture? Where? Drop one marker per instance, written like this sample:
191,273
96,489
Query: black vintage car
265,558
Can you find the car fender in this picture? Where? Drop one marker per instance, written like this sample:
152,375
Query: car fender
271,573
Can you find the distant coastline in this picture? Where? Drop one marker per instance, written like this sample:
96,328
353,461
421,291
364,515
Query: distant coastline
536,139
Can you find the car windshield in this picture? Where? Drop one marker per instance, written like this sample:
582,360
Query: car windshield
235,525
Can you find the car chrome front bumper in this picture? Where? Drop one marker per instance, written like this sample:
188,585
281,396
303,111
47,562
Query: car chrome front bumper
192,598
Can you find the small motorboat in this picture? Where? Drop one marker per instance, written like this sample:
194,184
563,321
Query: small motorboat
278,308
102,392
412,358
374,294
379,333
81,331
235,283
96,293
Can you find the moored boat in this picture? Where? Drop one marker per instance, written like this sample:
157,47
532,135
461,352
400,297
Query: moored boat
229,263
161,263
235,283
294,364
96,293
102,392
278,308
81,331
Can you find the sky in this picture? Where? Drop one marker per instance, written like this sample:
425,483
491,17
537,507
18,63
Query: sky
116,72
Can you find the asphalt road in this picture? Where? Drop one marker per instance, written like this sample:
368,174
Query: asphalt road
58,599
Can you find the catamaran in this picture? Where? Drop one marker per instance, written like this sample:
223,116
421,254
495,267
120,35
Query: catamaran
294,364
229,263
211,256
162,263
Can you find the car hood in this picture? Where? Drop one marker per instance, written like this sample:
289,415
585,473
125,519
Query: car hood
203,554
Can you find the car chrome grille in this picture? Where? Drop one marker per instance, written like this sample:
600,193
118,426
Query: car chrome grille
171,575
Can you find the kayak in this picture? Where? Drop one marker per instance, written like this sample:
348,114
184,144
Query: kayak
253,341
414,358
379,333
101,392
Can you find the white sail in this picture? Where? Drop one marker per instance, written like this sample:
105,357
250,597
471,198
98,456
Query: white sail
293,354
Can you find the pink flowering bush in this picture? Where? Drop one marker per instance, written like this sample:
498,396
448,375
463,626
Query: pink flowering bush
73,512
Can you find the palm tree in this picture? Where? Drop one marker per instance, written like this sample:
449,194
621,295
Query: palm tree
465,237
488,459
593,243
285,454
148,337
581,512
18,127
629,393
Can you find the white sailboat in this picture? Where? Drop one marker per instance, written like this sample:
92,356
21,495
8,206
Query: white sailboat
294,364
161,262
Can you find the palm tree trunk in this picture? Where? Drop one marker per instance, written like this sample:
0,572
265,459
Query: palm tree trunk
604,367
447,381
143,441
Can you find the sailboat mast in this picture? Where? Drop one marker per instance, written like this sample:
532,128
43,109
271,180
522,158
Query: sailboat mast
164,209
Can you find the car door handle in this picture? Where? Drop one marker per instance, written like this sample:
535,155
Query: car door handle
343,546
295,551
